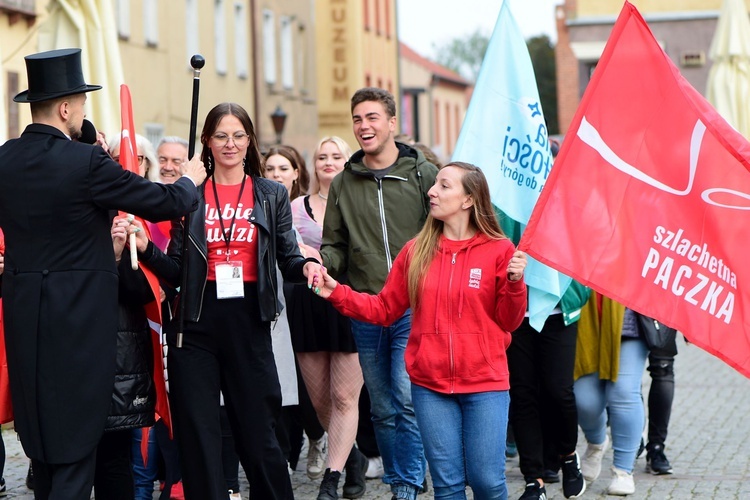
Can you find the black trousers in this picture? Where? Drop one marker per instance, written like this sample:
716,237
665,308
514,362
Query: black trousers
228,350
543,407
170,456
661,394
64,481
113,479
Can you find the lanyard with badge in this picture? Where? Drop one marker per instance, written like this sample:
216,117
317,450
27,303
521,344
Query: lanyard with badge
229,282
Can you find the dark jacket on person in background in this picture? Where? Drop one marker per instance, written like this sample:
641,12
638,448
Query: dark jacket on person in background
134,395
368,220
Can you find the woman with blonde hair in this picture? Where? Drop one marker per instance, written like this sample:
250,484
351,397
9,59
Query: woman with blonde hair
148,165
463,280
322,339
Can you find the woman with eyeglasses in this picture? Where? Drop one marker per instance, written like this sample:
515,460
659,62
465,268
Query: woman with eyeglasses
243,227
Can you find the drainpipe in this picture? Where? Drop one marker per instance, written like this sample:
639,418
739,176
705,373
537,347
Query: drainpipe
256,70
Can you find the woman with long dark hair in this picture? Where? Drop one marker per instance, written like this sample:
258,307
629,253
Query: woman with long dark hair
240,232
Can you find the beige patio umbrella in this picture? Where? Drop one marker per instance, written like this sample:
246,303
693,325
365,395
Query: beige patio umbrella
90,26
729,79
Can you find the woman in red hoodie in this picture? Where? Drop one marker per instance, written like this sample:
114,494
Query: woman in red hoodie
464,281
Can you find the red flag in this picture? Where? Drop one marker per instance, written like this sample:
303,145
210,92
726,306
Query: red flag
6,406
129,161
649,200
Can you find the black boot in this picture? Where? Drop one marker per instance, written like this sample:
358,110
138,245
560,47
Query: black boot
355,483
30,477
329,486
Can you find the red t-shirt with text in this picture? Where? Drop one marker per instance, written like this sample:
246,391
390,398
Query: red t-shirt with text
243,244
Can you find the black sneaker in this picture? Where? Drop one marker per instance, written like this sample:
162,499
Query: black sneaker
329,486
534,491
656,461
573,482
3,488
550,476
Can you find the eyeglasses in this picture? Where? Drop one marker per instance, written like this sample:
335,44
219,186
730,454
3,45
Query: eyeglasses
240,139
140,159
177,162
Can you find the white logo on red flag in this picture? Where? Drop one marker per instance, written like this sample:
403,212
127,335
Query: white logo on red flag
648,201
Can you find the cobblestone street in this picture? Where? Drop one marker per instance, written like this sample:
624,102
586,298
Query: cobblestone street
708,445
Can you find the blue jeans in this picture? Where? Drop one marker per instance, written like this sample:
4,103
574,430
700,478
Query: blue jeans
144,475
622,398
464,440
381,354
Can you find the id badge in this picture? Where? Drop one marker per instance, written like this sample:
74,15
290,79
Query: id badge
229,283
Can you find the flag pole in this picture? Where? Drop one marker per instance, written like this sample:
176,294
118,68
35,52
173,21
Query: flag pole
197,62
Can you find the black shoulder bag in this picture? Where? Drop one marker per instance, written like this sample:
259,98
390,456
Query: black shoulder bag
657,335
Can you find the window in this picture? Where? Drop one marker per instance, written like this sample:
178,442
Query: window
448,127
436,121
287,54
378,28
154,132
123,19
241,54
220,37
269,47
192,30
13,115
151,22
387,7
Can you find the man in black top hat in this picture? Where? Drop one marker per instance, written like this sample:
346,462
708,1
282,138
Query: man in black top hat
59,284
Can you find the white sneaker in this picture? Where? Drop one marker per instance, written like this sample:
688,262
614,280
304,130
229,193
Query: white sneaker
234,496
374,468
622,483
591,465
317,453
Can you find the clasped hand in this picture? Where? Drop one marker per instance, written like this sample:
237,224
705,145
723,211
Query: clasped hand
516,266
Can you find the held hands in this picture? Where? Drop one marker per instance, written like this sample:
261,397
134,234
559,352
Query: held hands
2,263
194,169
516,266
324,285
311,270
121,229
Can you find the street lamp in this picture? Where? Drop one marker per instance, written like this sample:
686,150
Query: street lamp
278,117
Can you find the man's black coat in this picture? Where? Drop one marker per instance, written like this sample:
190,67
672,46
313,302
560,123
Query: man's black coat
59,287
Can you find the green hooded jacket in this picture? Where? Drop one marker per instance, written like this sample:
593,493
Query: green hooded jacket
368,221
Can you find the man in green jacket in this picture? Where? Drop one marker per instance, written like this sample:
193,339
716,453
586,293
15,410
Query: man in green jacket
377,204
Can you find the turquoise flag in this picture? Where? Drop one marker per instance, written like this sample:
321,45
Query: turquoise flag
504,133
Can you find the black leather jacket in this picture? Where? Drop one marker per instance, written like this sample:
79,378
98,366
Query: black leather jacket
272,216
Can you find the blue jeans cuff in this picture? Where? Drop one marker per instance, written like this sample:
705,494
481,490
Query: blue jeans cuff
404,491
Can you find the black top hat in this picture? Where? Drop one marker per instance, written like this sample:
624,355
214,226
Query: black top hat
52,74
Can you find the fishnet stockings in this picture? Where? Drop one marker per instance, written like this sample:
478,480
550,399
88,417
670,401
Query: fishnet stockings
334,380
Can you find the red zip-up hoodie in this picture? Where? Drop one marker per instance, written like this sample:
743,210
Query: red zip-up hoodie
466,310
